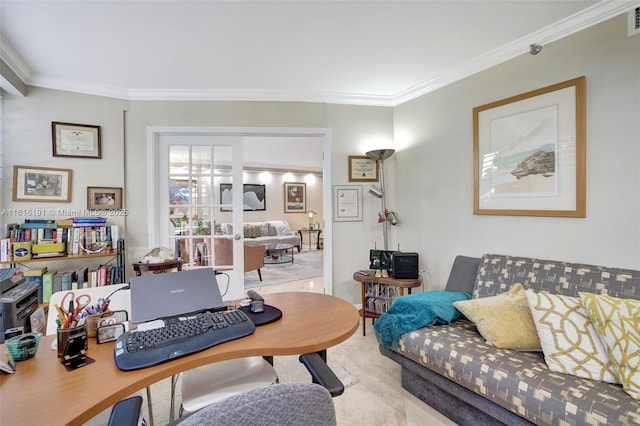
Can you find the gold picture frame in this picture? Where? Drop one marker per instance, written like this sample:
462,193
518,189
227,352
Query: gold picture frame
104,198
75,140
362,169
41,184
529,153
295,197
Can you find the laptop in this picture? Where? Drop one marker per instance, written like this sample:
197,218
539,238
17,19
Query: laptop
156,296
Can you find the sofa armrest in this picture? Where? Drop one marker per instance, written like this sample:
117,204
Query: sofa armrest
463,274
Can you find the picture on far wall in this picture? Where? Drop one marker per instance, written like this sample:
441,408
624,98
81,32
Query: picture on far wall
254,197
41,184
104,198
295,197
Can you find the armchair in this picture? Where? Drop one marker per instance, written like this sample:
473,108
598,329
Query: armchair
253,255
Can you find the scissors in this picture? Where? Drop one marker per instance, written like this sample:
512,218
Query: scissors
75,305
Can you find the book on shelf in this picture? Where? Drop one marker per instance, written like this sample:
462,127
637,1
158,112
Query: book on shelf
36,275
47,285
66,280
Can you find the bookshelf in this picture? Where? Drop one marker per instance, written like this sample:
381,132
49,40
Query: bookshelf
100,248
379,293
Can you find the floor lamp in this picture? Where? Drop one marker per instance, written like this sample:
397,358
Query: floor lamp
379,155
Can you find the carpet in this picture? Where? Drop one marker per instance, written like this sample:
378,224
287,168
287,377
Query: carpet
306,264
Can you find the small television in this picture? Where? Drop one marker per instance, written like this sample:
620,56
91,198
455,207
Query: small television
254,197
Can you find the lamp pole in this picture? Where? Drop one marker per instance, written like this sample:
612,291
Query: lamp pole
379,155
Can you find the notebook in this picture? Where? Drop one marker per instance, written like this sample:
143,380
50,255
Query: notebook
172,294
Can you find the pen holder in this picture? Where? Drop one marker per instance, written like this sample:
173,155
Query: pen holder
93,322
65,333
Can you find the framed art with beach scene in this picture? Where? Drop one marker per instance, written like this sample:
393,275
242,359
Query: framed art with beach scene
529,153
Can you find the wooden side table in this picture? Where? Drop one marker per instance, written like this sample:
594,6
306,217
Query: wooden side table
140,267
379,293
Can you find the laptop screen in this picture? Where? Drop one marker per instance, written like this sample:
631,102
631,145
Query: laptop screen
157,296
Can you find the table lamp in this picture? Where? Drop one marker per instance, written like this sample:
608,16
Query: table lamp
310,213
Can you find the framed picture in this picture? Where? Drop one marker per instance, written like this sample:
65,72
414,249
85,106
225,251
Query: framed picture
347,203
104,198
295,197
529,153
362,169
75,140
41,184
254,197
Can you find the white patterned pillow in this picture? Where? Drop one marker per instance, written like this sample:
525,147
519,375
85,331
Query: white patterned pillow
569,340
618,324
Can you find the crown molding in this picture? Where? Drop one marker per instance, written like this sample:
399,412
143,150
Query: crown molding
591,16
261,95
582,20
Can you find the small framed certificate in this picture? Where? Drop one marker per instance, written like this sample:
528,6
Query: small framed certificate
362,169
347,203
75,140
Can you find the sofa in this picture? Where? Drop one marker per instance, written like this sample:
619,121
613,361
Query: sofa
265,233
459,366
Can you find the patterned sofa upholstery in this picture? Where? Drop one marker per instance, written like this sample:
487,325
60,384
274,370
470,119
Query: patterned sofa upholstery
453,369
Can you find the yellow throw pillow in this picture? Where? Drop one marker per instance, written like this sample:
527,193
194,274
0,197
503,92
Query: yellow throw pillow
569,339
618,324
504,320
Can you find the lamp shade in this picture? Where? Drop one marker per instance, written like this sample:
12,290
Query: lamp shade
376,191
380,154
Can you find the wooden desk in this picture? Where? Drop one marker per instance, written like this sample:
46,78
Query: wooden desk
42,391
369,279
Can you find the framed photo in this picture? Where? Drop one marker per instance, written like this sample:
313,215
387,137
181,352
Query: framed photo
254,197
295,197
41,184
75,140
529,153
347,203
104,198
362,169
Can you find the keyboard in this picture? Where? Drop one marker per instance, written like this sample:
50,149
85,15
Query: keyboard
180,336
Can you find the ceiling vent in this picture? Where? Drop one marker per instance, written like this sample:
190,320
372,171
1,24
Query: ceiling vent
633,26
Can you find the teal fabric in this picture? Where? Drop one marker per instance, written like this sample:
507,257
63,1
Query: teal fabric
418,310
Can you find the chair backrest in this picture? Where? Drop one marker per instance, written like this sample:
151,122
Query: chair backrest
282,404
120,300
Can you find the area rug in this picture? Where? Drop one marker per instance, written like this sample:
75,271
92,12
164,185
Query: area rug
306,264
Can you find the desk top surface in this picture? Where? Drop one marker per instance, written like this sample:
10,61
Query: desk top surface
42,389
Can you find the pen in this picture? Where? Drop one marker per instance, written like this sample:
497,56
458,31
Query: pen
61,313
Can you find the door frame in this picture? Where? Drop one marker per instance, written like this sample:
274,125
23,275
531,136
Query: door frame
154,132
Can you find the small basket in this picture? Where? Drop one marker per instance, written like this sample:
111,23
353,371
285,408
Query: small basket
24,346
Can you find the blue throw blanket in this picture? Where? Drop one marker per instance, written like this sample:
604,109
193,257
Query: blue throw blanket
418,310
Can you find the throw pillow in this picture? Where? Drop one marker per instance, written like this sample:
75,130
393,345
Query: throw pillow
569,340
414,311
282,228
504,321
618,324
251,231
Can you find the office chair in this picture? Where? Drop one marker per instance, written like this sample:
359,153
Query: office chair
211,383
287,404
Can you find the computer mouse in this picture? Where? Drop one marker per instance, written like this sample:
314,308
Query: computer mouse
257,306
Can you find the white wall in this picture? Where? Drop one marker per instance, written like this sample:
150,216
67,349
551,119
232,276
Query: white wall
431,173
435,168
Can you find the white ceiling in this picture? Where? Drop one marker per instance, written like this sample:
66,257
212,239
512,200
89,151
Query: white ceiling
362,52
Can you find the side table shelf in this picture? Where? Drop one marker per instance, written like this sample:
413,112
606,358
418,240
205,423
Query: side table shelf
379,293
